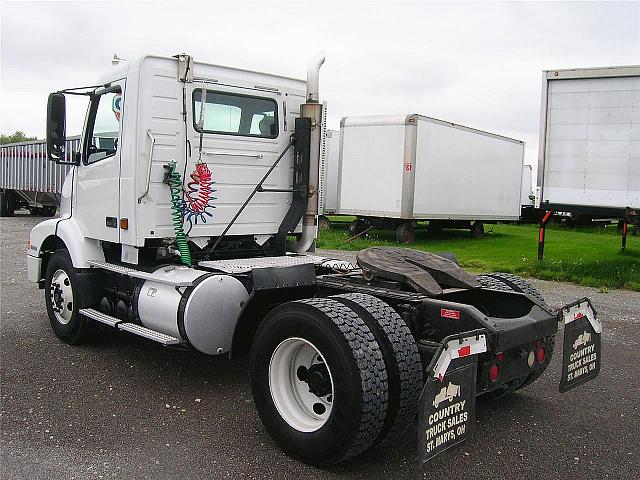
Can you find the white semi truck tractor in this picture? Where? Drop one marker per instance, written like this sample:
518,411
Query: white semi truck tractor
186,218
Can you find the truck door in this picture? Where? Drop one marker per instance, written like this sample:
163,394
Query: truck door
243,134
96,197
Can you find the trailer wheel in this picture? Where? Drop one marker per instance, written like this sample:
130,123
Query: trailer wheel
435,227
513,283
401,357
405,233
49,211
357,227
477,230
7,203
319,381
324,223
60,280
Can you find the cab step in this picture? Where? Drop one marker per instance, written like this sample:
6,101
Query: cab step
136,329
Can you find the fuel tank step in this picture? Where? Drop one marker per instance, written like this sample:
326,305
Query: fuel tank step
129,327
148,333
132,272
100,317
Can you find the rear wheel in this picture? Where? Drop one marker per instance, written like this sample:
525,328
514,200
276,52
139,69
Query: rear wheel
477,230
324,223
319,381
435,227
49,211
357,227
7,203
405,233
513,283
61,300
401,357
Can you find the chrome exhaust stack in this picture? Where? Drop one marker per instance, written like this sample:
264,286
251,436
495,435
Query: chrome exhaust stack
313,110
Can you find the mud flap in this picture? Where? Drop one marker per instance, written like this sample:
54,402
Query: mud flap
581,352
447,403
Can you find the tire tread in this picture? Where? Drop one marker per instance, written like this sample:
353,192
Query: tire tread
406,360
371,366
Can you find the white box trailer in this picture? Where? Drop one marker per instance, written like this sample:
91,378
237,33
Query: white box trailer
28,179
528,213
589,155
527,196
329,164
396,169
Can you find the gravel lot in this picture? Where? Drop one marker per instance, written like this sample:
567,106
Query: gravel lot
124,407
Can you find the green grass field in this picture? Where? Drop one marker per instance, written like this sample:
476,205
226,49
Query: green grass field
585,256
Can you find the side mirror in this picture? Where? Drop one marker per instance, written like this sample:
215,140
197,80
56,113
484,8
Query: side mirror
56,133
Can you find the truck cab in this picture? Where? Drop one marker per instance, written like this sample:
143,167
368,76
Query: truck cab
146,113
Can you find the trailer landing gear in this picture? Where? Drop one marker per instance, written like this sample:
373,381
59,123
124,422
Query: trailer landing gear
541,233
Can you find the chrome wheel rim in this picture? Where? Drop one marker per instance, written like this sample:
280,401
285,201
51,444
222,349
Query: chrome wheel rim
301,384
61,294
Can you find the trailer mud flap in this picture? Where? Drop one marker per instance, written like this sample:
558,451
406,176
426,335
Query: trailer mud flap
581,352
447,404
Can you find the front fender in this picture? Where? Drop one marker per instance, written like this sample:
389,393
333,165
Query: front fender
48,235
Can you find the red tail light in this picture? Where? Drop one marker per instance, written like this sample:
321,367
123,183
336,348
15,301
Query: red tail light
494,371
540,354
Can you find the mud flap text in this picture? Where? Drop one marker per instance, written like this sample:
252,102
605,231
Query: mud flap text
581,345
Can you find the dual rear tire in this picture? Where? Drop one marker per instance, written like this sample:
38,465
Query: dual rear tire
332,377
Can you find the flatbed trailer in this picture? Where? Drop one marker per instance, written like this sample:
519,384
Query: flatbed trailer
189,224
28,180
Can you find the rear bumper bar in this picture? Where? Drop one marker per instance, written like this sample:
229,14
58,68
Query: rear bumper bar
503,333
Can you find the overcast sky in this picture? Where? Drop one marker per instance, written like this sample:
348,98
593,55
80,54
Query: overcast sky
477,64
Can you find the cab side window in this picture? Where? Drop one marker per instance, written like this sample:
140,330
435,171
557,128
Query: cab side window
105,113
235,114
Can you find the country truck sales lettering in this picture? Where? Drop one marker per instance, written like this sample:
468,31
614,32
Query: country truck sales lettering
581,360
447,420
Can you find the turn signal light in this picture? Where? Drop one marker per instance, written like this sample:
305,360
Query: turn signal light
494,371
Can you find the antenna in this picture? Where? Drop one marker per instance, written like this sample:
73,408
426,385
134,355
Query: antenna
203,101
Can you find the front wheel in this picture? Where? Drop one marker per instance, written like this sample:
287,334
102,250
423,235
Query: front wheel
61,300
319,381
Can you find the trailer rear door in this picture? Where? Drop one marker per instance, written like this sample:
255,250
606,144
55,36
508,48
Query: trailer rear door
591,152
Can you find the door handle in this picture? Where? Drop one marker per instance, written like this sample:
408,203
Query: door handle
146,189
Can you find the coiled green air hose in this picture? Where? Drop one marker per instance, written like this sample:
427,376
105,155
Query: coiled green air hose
175,185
